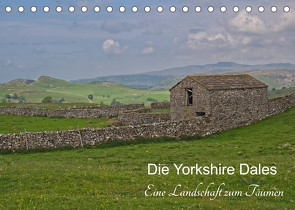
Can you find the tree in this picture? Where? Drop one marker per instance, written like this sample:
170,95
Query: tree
90,97
7,96
59,101
151,99
273,89
21,99
115,102
3,101
283,88
47,99
14,96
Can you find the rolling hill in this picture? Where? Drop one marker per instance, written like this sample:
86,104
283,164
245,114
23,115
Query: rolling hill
134,81
276,78
166,78
273,78
103,92
279,81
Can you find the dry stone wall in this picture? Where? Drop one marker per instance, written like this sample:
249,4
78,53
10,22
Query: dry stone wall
263,110
88,112
142,116
160,105
79,138
232,107
135,118
278,105
91,137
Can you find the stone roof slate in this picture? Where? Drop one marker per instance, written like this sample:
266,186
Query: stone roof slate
227,82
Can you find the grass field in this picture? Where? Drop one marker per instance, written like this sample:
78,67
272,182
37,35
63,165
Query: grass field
51,105
116,177
17,124
281,92
103,92
276,78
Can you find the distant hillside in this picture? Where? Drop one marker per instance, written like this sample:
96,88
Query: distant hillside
273,78
166,78
134,81
106,92
220,67
280,92
103,92
168,83
276,78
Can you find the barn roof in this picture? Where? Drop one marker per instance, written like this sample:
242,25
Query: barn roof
227,82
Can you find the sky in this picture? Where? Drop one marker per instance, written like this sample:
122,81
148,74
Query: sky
85,45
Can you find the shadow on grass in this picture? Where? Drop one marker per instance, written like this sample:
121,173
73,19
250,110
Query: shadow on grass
109,144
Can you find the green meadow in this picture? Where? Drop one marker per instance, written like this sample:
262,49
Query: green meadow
281,92
114,175
103,92
17,124
51,105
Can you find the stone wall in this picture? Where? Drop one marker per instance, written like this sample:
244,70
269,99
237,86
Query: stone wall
246,117
278,105
140,110
226,107
91,136
179,108
238,106
87,112
142,116
160,105
135,118
79,138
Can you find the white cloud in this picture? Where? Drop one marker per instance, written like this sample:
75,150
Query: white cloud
287,22
149,42
207,40
111,47
176,40
246,40
22,66
8,62
245,22
148,50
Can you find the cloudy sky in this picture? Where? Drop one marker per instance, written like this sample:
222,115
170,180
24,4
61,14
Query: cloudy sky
83,45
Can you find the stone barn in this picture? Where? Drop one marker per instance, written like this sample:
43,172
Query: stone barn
224,98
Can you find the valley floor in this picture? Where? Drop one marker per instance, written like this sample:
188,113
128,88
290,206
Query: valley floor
117,177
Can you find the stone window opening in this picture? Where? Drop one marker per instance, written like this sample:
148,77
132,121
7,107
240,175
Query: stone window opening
199,114
189,93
